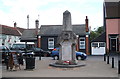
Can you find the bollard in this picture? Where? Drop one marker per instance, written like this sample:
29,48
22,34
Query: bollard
118,66
40,57
104,57
107,59
112,62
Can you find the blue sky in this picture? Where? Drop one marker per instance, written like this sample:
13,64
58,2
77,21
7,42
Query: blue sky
50,12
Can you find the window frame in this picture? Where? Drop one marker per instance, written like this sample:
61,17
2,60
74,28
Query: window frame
98,44
50,46
82,43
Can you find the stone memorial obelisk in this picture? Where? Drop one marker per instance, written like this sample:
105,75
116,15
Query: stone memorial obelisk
67,41
67,44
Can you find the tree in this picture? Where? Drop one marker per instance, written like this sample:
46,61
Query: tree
93,35
100,30
96,33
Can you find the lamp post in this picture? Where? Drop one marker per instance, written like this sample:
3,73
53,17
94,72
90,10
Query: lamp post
77,45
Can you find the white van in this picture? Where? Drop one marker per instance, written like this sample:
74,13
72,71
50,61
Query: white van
23,45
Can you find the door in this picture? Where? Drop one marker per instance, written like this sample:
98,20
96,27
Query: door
113,45
98,48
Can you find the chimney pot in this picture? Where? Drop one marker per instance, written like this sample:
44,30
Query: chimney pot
37,25
86,20
15,24
86,17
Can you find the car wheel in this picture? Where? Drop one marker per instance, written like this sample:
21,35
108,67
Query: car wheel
56,57
78,58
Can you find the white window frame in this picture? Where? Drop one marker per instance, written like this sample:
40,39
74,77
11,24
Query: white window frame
102,45
98,44
50,43
95,44
80,45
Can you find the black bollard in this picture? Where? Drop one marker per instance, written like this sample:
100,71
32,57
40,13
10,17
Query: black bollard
112,62
40,57
118,66
104,57
107,59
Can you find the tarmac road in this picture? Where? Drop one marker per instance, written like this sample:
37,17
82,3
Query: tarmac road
95,67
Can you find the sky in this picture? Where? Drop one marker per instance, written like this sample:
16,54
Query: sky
50,12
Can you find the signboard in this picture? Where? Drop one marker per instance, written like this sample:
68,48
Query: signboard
15,59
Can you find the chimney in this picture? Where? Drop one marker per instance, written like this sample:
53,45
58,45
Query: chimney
15,24
87,36
27,21
37,25
86,22
37,30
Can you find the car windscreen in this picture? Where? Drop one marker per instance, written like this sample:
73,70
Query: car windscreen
18,46
3,48
38,49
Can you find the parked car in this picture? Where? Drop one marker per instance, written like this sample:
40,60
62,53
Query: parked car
79,55
4,51
39,51
28,53
22,46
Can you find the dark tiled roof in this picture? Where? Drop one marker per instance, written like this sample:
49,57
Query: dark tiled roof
111,0
112,9
29,34
55,30
7,30
100,38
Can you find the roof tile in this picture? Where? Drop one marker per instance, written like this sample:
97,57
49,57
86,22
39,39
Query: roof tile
55,30
7,30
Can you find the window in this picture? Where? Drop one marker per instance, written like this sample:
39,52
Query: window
94,44
50,43
98,44
101,44
82,43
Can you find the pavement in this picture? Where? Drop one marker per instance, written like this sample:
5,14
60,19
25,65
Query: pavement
95,67
116,58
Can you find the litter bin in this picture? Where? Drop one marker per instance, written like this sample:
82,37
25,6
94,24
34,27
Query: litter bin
30,61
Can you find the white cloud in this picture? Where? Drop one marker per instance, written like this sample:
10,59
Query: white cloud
19,9
4,18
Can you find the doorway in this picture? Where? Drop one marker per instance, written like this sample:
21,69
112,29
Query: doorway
113,45
113,41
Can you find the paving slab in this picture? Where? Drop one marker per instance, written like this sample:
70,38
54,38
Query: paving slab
95,67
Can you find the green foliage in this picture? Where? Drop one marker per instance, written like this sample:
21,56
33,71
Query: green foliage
96,33
100,30
93,35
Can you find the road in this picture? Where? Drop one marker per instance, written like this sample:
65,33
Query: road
95,67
